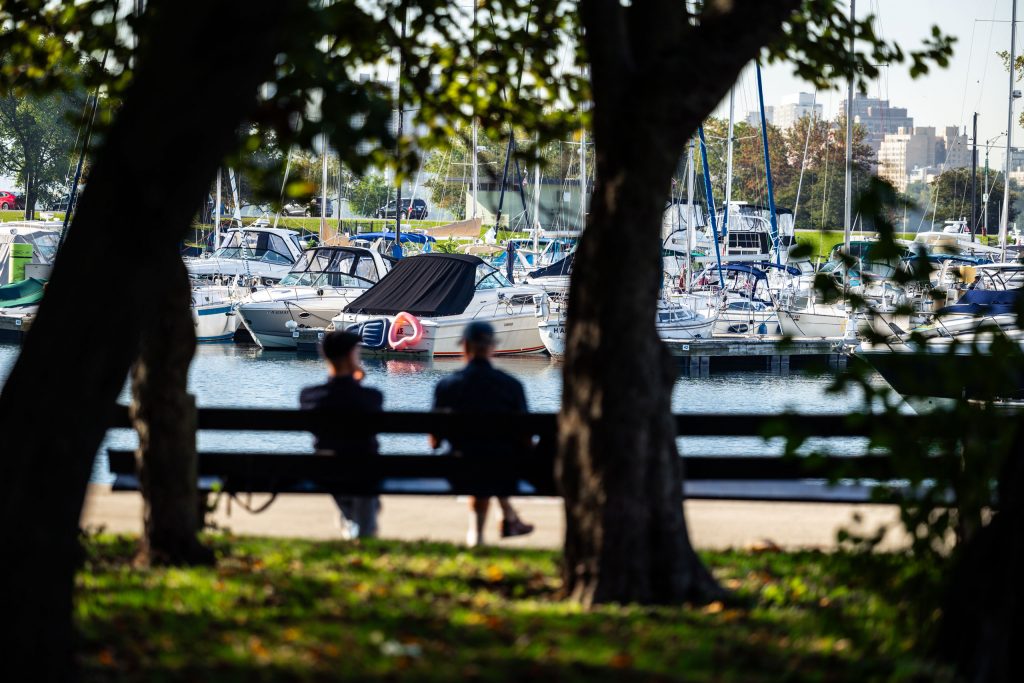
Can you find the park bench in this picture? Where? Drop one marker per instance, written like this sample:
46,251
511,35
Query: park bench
731,477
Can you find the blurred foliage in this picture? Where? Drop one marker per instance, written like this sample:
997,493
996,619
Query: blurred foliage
949,460
496,61
297,610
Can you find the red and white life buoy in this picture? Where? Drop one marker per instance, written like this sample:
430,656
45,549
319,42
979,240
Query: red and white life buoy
397,340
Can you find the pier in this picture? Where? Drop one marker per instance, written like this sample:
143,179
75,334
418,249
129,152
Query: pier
774,353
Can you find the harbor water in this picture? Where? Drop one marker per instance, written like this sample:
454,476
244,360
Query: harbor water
248,377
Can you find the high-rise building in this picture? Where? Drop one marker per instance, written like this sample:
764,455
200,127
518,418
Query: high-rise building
795,107
920,155
753,118
877,118
903,151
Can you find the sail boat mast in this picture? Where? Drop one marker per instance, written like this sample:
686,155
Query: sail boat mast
848,193
1004,222
728,164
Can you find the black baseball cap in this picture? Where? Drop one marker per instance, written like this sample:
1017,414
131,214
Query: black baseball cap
338,344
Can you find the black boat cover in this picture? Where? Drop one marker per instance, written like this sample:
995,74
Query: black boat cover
425,285
562,267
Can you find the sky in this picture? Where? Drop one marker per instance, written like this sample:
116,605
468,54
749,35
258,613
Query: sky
975,79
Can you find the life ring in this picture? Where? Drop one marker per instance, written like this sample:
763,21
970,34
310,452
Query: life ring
397,342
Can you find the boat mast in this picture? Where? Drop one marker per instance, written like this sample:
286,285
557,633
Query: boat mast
217,210
323,186
728,164
583,178
536,204
396,250
848,194
1004,222
691,224
709,195
776,242
974,178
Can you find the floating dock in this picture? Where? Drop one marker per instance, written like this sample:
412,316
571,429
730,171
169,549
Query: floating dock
13,327
773,353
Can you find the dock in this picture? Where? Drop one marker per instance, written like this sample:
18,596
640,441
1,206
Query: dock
14,327
773,353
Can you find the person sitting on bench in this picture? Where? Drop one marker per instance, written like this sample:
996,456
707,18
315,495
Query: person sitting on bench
343,394
481,388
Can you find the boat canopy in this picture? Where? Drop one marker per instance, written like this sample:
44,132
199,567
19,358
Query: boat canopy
416,237
985,302
792,270
559,268
426,285
743,268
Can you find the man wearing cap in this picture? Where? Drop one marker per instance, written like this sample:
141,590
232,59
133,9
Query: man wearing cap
481,388
343,394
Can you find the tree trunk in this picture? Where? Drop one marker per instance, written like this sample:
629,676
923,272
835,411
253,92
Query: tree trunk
655,76
30,194
164,414
59,397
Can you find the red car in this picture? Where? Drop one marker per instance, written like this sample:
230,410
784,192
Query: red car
8,200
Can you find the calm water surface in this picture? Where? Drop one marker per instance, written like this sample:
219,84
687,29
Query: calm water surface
245,376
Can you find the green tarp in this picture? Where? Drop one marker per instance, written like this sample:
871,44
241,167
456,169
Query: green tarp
24,293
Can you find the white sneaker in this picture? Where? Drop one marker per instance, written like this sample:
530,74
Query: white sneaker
473,539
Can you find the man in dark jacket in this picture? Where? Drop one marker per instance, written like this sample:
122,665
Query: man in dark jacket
481,388
343,394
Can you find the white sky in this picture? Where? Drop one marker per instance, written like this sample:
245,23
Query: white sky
974,81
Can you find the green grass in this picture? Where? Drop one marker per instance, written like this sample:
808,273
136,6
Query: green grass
822,242
8,216
275,610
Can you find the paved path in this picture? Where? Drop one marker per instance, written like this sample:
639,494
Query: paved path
713,524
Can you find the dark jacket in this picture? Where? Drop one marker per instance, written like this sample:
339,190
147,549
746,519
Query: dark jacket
346,397
480,388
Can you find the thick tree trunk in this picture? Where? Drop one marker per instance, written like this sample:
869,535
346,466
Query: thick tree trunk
654,76
58,399
164,414
30,195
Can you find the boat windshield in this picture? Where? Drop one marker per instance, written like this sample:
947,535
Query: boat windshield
487,277
332,268
248,245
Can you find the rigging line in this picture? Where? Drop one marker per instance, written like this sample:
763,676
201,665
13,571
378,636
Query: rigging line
988,51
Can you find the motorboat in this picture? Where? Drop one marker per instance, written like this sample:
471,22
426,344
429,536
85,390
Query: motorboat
554,278
674,322
323,281
941,369
245,258
261,255
424,302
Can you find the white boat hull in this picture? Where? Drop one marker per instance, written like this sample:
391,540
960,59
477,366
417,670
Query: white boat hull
812,324
268,319
215,318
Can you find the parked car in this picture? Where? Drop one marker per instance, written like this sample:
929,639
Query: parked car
8,201
293,208
416,209
313,209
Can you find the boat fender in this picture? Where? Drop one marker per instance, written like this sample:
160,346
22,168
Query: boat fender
401,342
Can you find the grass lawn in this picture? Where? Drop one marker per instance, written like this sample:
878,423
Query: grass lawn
275,610
8,216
